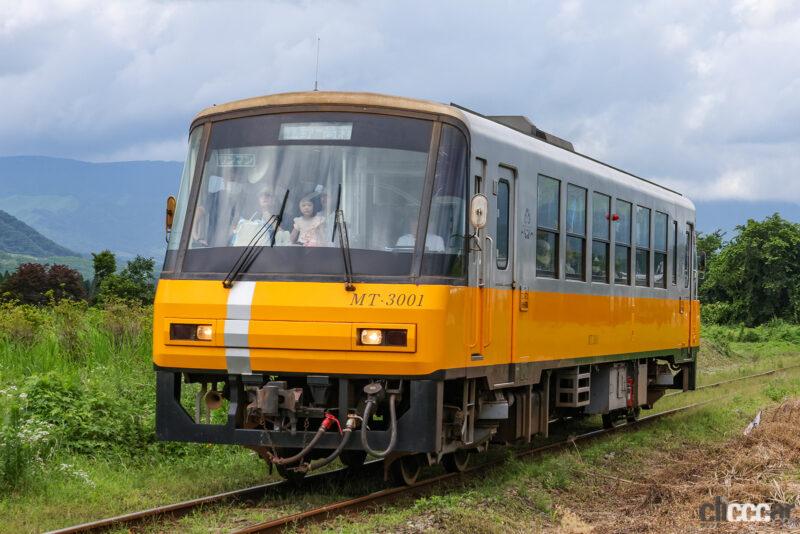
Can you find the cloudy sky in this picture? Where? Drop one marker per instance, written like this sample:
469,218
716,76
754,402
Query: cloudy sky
704,96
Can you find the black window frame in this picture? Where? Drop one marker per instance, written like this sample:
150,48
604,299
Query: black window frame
645,250
553,233
501,184
581,275
626,246
660,254
675,253
604,242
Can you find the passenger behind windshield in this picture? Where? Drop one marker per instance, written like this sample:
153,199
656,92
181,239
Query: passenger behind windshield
308,228
433,242
246,229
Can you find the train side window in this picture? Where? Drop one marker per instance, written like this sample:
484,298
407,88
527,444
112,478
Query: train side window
547,215
675,253
660,226
642,246
686,255
601,234
502,223
622,238
576,232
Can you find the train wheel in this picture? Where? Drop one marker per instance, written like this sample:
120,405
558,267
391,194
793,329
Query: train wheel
406,470
353,459
633,415
612,420
456,462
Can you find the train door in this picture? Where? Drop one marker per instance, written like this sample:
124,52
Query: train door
498,284
694,327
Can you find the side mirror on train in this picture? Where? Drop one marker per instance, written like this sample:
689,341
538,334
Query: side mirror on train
478,211
170,212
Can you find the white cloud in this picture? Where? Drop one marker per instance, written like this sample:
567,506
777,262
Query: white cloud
707,93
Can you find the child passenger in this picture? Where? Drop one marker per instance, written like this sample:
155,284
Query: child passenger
308,228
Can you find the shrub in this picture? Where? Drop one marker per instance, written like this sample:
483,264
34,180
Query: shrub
20,323
86,418
24,442
33,283
134,284
716,313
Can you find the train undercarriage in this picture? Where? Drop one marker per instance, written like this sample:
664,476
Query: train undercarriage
302,423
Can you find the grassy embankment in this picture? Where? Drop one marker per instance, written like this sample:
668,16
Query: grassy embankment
77,405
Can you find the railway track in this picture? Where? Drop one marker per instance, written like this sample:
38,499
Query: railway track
353,504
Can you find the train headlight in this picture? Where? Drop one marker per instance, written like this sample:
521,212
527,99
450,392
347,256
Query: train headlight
370,336
191,332
384,337
205,332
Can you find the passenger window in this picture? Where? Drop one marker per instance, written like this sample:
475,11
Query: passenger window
686,261
601,221
547,215
642,246
502,224
675,253
660,226
622,249
576,232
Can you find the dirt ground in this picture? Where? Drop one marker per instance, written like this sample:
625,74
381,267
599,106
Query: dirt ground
664,493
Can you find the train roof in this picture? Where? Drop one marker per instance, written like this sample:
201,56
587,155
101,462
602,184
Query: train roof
519,127
334,97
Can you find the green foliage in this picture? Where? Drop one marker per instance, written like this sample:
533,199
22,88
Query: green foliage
105,264
134,284
87,419
757,274
24,443
34,283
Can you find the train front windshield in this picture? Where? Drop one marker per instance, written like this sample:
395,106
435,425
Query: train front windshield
371,167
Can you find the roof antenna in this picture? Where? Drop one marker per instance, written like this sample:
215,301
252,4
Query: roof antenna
316,72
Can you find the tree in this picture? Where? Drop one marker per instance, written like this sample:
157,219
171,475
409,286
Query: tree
133,284
105,264
34,283
711,243
757,274
27,285
65,283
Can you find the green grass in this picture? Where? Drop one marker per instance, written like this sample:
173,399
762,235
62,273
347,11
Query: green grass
81,445
522,494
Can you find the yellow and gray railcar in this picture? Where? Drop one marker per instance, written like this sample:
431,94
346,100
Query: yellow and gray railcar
350,273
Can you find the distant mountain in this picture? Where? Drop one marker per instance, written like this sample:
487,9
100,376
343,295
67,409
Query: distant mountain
88,207
17,237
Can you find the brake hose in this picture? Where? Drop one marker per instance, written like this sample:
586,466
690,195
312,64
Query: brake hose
327,423
392,427
316,464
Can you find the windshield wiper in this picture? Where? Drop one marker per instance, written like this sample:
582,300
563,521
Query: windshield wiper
251,251
344,242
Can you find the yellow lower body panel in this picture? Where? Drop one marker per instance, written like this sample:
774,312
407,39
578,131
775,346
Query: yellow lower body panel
312,327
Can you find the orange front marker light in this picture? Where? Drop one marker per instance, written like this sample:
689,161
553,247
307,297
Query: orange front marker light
205,332
371,337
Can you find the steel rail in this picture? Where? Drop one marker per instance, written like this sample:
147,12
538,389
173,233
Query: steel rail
738,379
254,492
350,505
184,507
